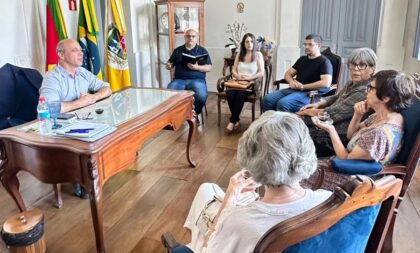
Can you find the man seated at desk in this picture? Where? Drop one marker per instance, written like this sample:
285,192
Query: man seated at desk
313,72
190,76
69,83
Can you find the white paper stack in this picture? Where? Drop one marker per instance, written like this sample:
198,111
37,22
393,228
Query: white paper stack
85,131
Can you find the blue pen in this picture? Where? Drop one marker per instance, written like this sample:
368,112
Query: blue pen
81,130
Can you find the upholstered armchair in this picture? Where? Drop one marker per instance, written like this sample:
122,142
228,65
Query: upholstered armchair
404,166
360,209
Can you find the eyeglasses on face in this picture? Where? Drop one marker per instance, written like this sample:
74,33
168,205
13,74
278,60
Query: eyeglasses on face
358,66
369,87
190,36
310,44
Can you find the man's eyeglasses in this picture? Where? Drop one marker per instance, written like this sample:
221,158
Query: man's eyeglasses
309,44
358,66
84,117
369,87
190,36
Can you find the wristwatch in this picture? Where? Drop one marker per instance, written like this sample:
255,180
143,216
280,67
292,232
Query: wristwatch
301,87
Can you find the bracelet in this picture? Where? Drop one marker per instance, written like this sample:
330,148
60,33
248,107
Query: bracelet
301,87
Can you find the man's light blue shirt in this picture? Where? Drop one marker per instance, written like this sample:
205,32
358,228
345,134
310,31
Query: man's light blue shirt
59,85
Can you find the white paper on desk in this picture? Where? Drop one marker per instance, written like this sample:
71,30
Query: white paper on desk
96,136
97,128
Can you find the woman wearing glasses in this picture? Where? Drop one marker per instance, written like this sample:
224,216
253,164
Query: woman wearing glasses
379,136
362,64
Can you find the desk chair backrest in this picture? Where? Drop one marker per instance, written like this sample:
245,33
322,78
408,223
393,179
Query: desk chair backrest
336,64
354,219
19,94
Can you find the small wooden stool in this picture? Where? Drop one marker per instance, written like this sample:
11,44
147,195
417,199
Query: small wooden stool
24,232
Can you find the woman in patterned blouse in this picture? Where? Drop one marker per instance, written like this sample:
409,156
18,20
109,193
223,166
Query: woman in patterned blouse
378,137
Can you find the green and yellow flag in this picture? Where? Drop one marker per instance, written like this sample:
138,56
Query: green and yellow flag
87,35
117,70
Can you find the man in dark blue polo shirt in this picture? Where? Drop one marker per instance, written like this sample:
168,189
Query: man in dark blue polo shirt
313,72
190,76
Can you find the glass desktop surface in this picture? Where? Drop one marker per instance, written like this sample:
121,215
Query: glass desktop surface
124,106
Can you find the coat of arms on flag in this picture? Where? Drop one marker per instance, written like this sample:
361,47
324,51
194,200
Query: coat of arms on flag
117,63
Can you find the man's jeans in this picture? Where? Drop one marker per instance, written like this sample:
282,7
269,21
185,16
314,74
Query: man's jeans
286,100
199,87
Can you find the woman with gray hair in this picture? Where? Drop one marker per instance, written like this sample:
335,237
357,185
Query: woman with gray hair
277,152
378,137
340,107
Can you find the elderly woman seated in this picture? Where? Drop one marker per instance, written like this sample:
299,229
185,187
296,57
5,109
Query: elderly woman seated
362,63
378,137
278,153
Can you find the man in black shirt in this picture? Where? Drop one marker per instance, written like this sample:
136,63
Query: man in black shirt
313,72
189,76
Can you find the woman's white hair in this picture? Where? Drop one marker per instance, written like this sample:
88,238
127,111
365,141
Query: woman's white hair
277,149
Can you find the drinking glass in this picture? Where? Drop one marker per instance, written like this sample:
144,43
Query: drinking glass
325,117
55,109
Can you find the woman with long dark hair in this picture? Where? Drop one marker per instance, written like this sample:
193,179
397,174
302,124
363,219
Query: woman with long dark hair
248,66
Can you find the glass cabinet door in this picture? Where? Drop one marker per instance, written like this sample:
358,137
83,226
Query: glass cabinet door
163,46
188,18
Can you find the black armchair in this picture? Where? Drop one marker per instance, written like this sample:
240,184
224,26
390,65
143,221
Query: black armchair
337,69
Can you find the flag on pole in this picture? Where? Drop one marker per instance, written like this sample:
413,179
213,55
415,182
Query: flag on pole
117,70
87,32
56,31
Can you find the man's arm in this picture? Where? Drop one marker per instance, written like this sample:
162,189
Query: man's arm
324,82
201,68
103,93
290,73
86,99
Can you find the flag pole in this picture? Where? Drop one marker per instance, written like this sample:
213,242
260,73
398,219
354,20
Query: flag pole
105,34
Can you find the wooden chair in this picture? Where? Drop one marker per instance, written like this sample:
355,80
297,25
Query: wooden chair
337,70
405,164
221,94
354,219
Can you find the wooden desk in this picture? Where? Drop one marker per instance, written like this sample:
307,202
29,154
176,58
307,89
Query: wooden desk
268,70
138,114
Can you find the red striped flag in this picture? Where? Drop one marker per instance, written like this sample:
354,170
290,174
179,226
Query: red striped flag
56,31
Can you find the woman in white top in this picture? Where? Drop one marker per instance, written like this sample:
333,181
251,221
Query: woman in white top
290,159
249,65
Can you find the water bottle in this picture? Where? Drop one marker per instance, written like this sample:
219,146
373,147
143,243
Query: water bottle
44,121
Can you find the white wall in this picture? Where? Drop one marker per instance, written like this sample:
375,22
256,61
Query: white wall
258,17
288,29
142,55
23,29
390,49
411,64
23,33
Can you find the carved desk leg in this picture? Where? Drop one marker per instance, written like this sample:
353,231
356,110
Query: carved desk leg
9,180
57,195
191,123
95,196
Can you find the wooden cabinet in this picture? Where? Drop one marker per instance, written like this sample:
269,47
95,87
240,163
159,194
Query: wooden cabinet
173,18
